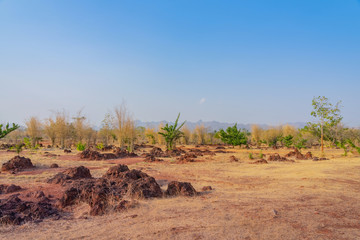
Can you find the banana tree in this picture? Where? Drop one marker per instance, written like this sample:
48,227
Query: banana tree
171,133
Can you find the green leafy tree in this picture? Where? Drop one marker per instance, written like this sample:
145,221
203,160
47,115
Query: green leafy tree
328,116
5,131
288,141
300,143
171,133
234,136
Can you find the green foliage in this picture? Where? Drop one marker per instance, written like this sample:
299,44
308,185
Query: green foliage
328,117
80,146
353,145
27,142
152,137
100,146
251,156
261,155
171,133
344,146
288,141
234,136
18,148
7,129
300,143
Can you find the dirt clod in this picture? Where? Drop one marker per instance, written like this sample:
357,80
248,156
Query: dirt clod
54,165
15,211
180,188
4,189
70,174
17,163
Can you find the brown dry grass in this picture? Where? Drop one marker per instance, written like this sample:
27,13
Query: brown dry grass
313,200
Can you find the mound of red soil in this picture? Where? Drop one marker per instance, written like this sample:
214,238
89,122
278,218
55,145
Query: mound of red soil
180,188
188,157
122,153
107,148
308,155
261,161
95,155
150,158
4,189
278,158
70,174
116,183
199,152
207,188
15,211
296,154
47,154
156,152
54,165
17,163
233,159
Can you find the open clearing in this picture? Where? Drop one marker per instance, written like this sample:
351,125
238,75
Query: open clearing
279,200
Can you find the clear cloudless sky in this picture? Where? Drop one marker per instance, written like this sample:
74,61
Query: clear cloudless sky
246,61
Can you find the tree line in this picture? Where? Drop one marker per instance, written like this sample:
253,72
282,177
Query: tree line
118,128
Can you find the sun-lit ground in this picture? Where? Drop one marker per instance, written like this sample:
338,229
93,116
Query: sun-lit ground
279,200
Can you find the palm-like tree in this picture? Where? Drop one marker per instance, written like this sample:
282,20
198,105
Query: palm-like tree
172,133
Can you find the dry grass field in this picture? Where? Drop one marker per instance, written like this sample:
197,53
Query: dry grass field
278,200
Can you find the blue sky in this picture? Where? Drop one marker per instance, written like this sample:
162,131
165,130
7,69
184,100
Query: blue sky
249,61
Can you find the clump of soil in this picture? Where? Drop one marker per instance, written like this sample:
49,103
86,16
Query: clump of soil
233,159
54,165
308,155
150,158
70,174
95,155
220,147
207,188
199,152
47,154
107,148
5,189
158,152
116,183
188,157
15,211
278,158
67,151
122,153
17,163
180,188
298,155
261,161
109,191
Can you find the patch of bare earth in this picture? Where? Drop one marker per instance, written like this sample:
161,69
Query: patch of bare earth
278,200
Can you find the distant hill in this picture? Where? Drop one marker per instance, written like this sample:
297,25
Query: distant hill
212,125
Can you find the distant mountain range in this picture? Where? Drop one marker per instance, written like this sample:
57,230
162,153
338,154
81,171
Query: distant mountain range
212,125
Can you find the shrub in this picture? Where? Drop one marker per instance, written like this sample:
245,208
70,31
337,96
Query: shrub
234,136
100,146
251,156
80,146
